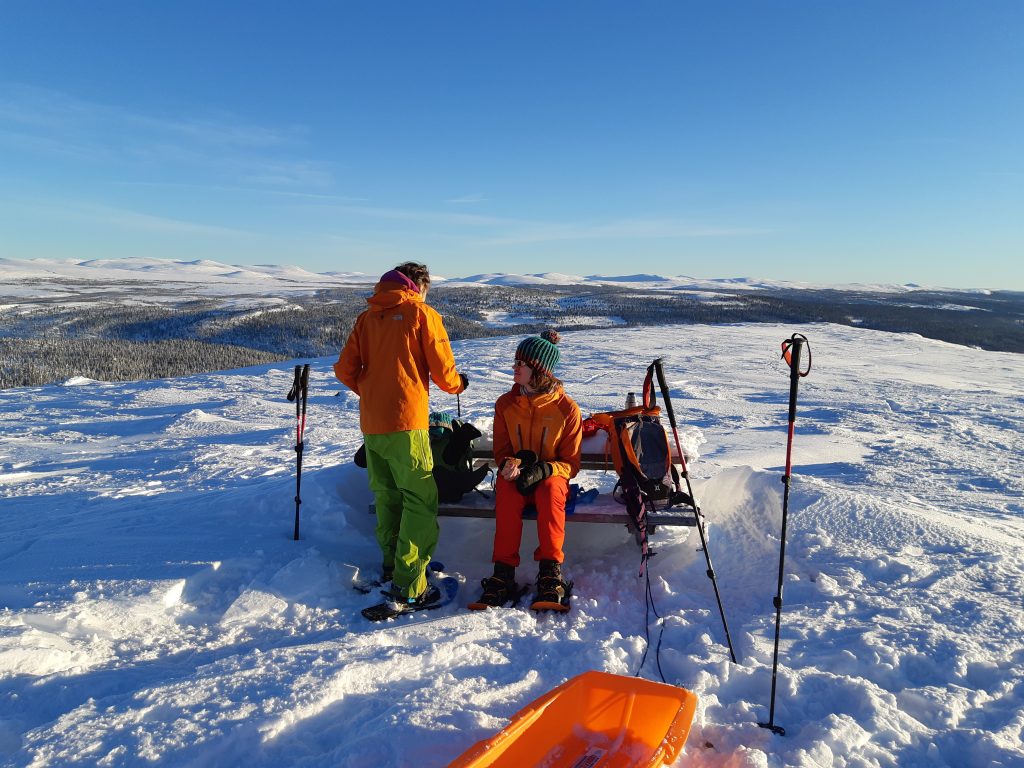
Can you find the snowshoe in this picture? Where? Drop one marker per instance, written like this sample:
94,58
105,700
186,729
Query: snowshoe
499,594
499,588
436,596
553,594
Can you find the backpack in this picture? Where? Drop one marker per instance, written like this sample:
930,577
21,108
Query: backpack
452,449
640,452
453,460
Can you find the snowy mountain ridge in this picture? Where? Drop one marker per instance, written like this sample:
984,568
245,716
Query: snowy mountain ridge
249,277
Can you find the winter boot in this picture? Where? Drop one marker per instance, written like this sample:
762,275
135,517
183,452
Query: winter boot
430,595
552,593
499,588
397,603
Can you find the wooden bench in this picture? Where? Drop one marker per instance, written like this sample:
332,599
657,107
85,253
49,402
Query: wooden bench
589,460
603,509
593,456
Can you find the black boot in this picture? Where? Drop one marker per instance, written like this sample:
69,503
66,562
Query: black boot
499,588
552,593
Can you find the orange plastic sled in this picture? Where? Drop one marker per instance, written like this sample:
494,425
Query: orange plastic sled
595,720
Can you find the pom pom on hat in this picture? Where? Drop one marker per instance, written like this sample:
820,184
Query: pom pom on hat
540,352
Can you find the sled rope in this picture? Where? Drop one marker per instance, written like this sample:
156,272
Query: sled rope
648,608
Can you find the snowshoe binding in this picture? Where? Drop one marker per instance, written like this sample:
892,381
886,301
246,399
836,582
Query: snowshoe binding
435,596
367,584
500,589
552,594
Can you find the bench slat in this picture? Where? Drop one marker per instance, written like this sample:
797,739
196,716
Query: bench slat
584,513
604,509
598,461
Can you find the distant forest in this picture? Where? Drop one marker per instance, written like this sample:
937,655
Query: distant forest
104,338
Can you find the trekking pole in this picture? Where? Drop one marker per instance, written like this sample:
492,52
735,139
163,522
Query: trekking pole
693,501
297,394
791,349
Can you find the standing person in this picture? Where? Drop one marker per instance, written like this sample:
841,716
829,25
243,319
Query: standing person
397,346
537,436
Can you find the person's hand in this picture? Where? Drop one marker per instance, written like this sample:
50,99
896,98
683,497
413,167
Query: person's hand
465,382
510,468
530,477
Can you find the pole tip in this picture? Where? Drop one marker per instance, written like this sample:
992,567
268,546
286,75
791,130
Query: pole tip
778,730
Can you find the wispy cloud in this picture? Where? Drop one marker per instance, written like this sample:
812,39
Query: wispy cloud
112,217
635,228
126,219
47,121
499,231
467,199
63,114
285,174
436,218
292,194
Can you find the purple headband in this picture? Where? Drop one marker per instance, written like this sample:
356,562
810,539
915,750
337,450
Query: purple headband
394,276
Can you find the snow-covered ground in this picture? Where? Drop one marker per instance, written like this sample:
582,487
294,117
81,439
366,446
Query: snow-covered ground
156,611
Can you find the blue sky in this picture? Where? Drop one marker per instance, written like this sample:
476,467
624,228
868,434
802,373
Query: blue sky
822,141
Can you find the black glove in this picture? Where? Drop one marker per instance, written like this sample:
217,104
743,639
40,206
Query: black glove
530,477
465,382
360,457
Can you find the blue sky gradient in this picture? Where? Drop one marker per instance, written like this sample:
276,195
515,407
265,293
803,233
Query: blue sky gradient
820,141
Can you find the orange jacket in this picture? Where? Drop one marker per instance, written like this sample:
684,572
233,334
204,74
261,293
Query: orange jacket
396,347
548,424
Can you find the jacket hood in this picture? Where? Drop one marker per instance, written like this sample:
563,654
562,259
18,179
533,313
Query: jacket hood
388,294
539,399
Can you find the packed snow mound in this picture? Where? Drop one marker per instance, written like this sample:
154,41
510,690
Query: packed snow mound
79,381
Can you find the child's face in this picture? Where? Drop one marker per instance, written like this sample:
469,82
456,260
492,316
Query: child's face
521,373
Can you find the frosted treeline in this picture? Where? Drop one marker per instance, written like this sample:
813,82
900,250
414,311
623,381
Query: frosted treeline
30,362
105,337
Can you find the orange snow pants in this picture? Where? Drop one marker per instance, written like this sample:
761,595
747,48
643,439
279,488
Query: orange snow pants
549,498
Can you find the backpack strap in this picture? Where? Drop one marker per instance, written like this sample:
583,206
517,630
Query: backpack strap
650,398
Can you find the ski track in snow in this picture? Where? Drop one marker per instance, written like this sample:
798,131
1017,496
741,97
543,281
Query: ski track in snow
155,611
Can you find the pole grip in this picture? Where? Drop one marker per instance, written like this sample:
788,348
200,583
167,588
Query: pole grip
663,385
796,346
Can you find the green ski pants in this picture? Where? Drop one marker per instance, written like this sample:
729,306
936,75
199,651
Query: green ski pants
399,465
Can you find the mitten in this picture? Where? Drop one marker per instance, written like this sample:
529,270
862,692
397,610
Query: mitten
531,476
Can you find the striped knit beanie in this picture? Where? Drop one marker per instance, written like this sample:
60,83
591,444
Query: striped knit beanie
440,419
540,352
